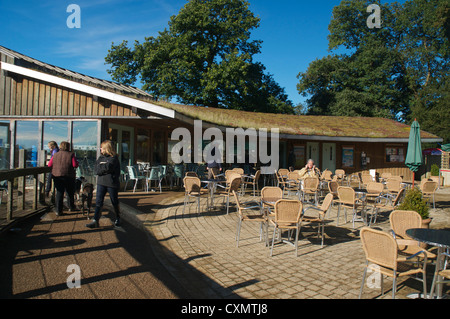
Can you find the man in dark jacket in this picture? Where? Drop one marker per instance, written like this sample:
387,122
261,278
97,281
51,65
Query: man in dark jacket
107,168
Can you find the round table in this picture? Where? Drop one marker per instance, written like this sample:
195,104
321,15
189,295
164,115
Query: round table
435,237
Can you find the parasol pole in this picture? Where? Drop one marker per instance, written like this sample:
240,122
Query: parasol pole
414,173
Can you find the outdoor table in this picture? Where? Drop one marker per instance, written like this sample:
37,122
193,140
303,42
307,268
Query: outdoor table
435,237
212,184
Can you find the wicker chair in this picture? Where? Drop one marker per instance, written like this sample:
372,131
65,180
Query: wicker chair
326,175
445,272
340,175
320,217
192,186
287,216
238,170
253,181
374,190
381,252
271,194
310,187
283,172
396,178
281,182
393,186
332,188
402,220
347,199
292,182
244,217
428,189
233,184
385,201
385,175
354,178
366,179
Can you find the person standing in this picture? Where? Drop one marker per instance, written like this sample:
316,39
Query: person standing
53,147
107,168
63,164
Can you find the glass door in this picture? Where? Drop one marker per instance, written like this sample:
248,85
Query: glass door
123,136
312,152
329,156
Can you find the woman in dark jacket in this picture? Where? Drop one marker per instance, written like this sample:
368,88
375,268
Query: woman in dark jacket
107,168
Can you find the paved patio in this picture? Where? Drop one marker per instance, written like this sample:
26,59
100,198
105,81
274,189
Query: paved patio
162,253
206,242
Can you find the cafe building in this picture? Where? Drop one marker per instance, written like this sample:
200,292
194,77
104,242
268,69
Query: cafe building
40,102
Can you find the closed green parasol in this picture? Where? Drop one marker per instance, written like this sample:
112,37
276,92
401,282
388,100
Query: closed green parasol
414,152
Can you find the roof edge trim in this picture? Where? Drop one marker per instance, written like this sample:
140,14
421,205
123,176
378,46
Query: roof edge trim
88,89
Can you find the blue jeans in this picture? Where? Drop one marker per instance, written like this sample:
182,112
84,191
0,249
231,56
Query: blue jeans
101,193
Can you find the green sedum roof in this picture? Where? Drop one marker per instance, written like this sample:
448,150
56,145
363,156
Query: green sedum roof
332,126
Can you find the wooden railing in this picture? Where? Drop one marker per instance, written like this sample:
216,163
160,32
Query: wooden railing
39,180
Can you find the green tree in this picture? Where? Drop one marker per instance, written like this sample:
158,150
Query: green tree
204,57
398,71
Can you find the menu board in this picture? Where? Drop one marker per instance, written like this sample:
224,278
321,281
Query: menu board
347,156
395,154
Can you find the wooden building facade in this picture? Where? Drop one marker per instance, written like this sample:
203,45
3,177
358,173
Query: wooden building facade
40,102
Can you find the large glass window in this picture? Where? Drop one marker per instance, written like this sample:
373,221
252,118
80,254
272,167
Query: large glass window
4,145
54,131
27,137
84,144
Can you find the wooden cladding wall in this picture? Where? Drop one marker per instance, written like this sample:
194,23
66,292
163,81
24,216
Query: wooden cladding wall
22,96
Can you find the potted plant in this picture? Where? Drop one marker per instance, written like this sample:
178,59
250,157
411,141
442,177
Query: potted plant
414,201
434,173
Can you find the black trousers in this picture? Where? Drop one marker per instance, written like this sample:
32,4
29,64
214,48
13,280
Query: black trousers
99,199
64,184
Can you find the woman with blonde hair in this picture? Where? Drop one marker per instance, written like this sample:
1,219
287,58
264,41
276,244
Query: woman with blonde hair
107,168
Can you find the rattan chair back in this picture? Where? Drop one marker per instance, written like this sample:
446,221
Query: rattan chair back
379,247
366,179
326,175
393,185
386,175
283,172
333,186
396,178
288,211
311,183
192,184
374,188
346,195
271,192
429,187
326,203
402,220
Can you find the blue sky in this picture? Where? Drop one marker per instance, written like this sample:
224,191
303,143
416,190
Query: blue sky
294,32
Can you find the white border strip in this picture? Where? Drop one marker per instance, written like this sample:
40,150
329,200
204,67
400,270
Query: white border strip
88,89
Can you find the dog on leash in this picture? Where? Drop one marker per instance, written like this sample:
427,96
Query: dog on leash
84,192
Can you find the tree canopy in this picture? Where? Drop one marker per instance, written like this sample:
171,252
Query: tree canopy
204,58
398,71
